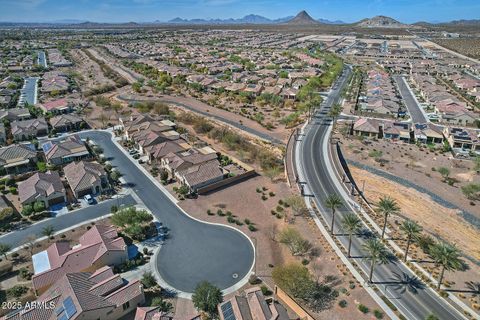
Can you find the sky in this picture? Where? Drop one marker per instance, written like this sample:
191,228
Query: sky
406,11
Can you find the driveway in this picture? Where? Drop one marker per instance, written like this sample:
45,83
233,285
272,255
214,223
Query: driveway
195,251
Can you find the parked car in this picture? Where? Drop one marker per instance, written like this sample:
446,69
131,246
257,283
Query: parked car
89,199
132,151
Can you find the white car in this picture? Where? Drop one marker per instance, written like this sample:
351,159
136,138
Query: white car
89,199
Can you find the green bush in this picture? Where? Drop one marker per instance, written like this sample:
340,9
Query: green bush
363,309
17,291
378,314
27,210
252,228
39,206
342,303
265,290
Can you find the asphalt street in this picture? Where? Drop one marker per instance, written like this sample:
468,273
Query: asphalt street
235,124
195,251
394,280
18,237
416,113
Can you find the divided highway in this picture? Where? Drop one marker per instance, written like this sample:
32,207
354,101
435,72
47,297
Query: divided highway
396,282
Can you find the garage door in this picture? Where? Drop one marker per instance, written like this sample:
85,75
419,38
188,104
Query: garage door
56,200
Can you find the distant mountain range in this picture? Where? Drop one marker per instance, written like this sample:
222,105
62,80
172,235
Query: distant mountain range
302,18
254,19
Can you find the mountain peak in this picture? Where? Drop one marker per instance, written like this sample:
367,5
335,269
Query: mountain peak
302,18
381,22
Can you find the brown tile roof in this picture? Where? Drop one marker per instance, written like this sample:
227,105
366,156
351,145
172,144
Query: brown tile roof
40,184
17,152
70,146
87,293
96,242
82,175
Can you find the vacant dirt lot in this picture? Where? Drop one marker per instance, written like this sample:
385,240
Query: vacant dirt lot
245,202
89,72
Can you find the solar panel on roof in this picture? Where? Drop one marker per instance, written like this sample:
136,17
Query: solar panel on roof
69,307
227,311
63,317
59,310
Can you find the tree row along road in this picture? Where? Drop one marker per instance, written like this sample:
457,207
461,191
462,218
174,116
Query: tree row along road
414,299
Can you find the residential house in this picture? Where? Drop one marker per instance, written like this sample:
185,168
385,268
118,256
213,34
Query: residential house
179,161
252,305
98,247
157,151
366,127
45,187
18,158
66,122
99,295
428,133
462,139
29,129
56,106
86,178
65,151
14,114
200,175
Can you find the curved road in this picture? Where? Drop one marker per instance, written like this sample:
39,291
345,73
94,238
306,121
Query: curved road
195,251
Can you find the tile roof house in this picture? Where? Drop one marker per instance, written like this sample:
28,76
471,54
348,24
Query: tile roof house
28,129
65,151
66,122
180,161
15,114
200,175
18,158
98,247
56,106
85,178
100,295
158,151
251,306
46,187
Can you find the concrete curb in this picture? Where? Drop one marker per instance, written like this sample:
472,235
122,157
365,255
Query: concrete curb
228,290
335,247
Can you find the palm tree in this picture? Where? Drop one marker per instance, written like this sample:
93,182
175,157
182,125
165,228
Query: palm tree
411,229
351,223
333,202
4,248
378,253
48,232
387,207
447,256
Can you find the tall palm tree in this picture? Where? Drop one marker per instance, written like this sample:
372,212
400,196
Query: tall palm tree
412,230
447,256
378,253
387,206
351,223
333,202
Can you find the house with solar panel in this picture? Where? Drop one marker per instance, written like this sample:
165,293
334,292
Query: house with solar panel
98,295
252,305
98,247
65,151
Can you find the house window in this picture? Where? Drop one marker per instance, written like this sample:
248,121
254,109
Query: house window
126,305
